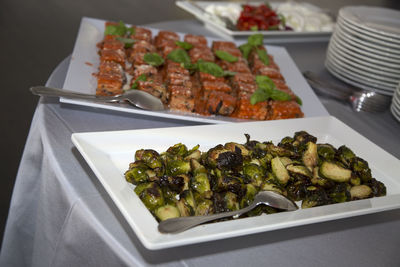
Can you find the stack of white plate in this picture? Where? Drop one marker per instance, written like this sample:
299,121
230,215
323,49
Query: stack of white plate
395,106
364,49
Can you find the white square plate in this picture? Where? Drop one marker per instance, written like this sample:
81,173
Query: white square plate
85,61
109,154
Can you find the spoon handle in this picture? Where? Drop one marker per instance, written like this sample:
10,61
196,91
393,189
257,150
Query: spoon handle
176,225
49,91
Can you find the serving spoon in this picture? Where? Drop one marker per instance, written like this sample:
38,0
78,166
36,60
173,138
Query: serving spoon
137,98
269,198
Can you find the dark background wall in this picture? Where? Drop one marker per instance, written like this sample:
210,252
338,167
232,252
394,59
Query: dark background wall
36,35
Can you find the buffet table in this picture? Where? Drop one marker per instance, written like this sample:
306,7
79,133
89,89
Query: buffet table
60,214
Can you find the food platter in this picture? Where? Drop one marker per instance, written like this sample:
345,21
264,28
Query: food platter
271,36
109,153
85,61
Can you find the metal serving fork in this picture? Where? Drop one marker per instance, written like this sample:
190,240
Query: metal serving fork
137,98
360,100
269,198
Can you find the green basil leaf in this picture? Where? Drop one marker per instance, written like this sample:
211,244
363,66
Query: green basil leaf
153,59
184,45
119,29
299,101
282,19
273,28
280,95
258,96
255,39
141,77
254,28
128,42
226,56
210,68
262,54
179,55
245,49
264,82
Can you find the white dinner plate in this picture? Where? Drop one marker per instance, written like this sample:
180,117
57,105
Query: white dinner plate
360,75
346,77
365,53
387,74
365,35
85,61
109,154
383,22
366,45
270,36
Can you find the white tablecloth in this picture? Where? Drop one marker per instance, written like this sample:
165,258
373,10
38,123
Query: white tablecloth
60,215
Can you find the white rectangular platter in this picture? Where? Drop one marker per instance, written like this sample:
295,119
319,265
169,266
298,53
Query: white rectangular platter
270,36
85,61
109,154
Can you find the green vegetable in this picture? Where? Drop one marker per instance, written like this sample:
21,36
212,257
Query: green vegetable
119,29
184,45
167,212
266,90
142,78
254,28
255,40
128,42
334,172
153,59
226,56
279,170
246,49
299,101
210,68
262,54
179,55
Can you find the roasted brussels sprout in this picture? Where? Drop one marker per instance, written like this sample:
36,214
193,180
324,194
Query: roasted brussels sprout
204,207
279,170
310,156
179,150
361,169
340,193
248,197
360,192
152,196
167,212
149,157
182,182
138,172
345,155
225,201
326,151
177,167
335,172
315,198
378,188
254,173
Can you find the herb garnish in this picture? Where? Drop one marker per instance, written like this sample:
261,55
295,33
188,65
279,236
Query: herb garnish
267,90
184,45
142,78
153,59
226,56
119,29
128,42
179,55
253,42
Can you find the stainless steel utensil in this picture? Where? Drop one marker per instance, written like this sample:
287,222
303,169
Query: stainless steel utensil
269,198
360,100
137,98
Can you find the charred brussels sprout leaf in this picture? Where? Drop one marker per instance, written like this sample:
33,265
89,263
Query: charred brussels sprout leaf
326,151
177,167
150,157
345,155
254,173
361,169
167,212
